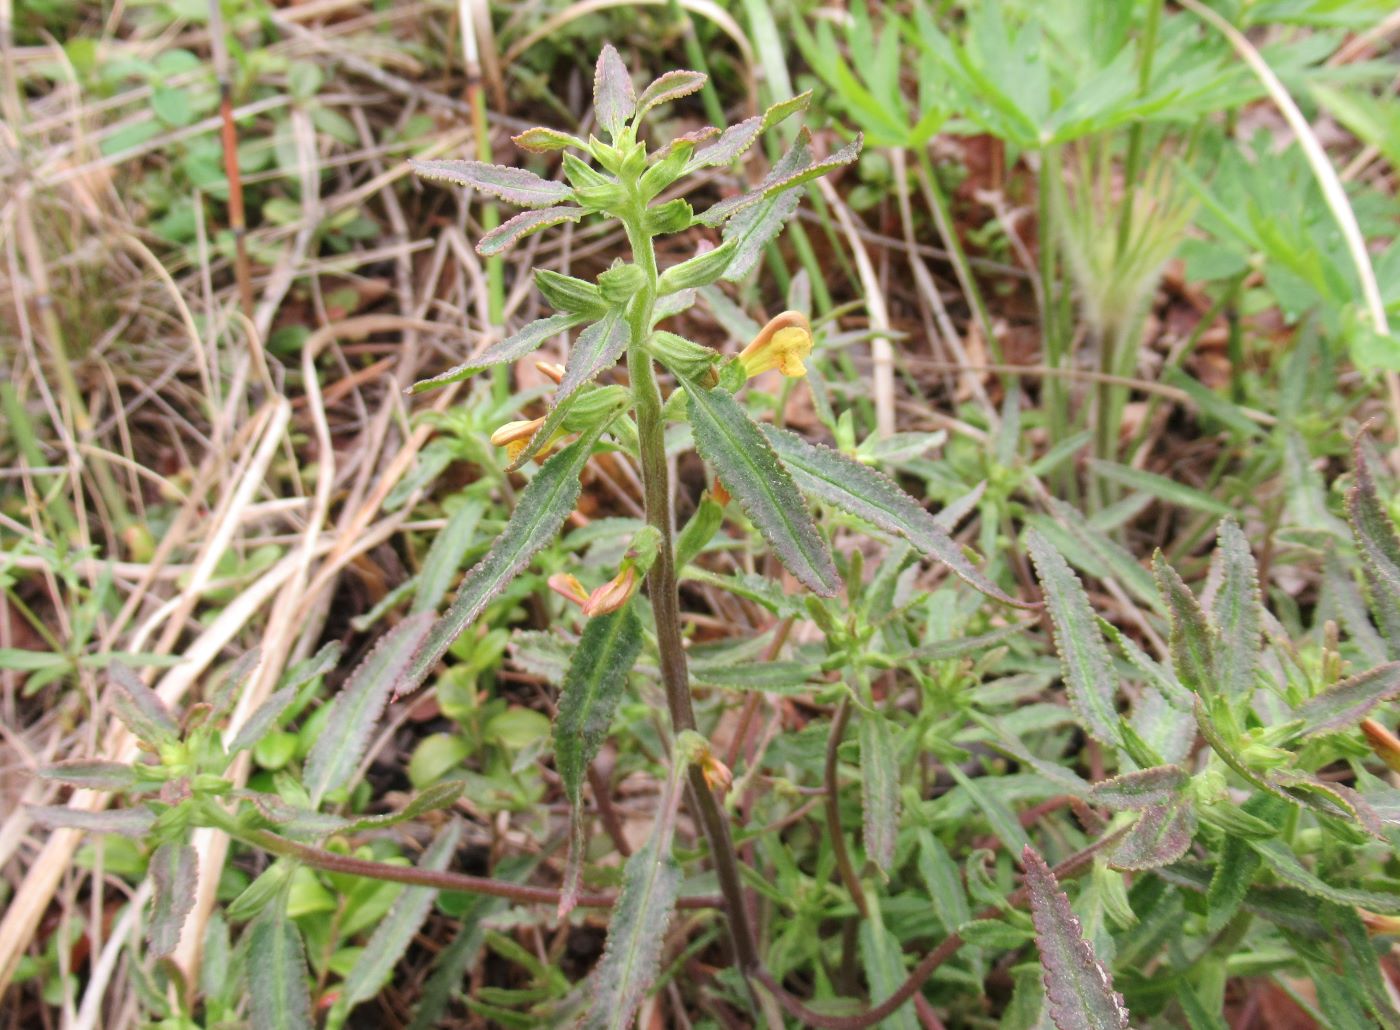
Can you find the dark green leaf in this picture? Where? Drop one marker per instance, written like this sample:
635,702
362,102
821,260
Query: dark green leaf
751,471
1078,989
540,511
512,348
1234,872
440,795
1193,640
941,877
1089,675
277,996
1286,866
356,709
444,558
882,960
1379,545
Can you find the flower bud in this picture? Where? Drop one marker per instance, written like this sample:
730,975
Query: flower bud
613,594
551,370
513,436
1384,743
719,494
781,344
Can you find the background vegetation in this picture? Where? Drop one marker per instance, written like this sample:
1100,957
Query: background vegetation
1107,292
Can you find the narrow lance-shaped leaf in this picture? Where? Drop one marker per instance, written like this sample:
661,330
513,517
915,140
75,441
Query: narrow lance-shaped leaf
730,146
650,882
879,789
174,871
517,186
1234,872
129,822
140,707
671,86
394,933
277,995
356,709
541,510
754,227
1192,637
595,351
751,471
513,230
440,795
92,773
593,687
1286,866
614,97
1078,989
1159,837
1089,675
542,140
1344,704
512,348
861,490
1236,613
1379,546
264,717
785,109
881,956
775,183
444,558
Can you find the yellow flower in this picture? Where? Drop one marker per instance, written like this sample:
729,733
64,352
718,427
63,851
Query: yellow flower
513,436
567,586
781,344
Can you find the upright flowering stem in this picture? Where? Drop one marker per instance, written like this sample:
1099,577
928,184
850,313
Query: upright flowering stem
663,590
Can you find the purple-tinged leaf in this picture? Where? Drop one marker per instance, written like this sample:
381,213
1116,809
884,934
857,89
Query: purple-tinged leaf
277,995
777,182
512,348
695,136
174,872
671,86
140,707
541,140
262,719
1145,788
1192,640
228,691
1159,837
614,97
785,109
1235,612
1089,676
756,225
129,822
517,186
1332,799
596,350
1078,989
879,789
91,773
356,709
730,146
513,230
1343,705
1379,545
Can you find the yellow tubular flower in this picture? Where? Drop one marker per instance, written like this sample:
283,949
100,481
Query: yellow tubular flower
513,436
781,344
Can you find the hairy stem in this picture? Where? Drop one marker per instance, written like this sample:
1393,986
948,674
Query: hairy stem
664,592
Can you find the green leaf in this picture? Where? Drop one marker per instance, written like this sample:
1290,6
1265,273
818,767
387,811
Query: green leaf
174,873
752,473
438,796
1088,670
444,558
1235,613
614,98
394,934
1161,487
859,489
512,348
729,147
264,717
1160,836
128,822
569,295
879,789
752,228
785,109
650,882
356,709
1234,872
1192,639
140,708
1078,989
944,882
1285,865
593,687
999,817
91,773
527,223
671,86
277,996
784,177
881,956
1345,704
513,185
540,511
1379,545
595,351
776,676
1144,788
542,140
700,270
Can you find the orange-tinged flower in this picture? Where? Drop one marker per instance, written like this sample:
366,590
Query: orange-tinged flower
551,369
781,344
717,775
567,586
613,594
719,494
513,436
1384,743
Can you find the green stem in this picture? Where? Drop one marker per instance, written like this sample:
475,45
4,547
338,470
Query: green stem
1134,156
663,589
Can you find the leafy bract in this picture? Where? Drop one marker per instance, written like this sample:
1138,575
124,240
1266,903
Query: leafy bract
614,97
513,185
513,230
751,471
